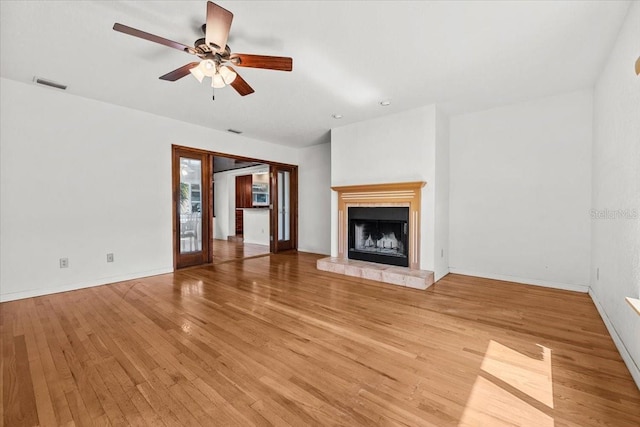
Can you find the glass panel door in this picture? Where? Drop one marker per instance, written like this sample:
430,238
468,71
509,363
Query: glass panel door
190,205
284,205
284,181
192,182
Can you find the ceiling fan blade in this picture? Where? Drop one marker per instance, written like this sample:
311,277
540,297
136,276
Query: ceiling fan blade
638,66
240,85
279,63
218,26
153,38
179,73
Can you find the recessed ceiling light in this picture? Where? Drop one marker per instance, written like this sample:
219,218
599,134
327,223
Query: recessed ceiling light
336,116
385,103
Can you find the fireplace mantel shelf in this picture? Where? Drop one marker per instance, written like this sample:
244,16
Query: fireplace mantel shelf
368,188
634,303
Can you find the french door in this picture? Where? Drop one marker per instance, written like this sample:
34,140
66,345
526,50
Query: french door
192,172
192,176
284,208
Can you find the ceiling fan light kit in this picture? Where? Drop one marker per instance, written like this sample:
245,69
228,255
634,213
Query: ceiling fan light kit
220,74
214,53
199,72
226,75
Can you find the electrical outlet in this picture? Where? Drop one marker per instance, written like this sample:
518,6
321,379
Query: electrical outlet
109,257
64,262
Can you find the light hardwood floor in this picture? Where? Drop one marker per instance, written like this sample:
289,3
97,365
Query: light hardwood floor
272,340
227,250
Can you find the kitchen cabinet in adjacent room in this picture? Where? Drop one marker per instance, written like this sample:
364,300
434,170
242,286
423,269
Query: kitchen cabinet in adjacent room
243,199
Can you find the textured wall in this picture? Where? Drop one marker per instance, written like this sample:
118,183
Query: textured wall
615,227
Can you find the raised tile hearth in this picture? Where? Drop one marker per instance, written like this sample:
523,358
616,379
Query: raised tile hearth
401,276
392,196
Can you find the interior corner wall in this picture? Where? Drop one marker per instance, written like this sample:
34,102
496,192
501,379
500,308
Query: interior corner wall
224,186
395,148
520,192
441,262
615,223
80,178
314,199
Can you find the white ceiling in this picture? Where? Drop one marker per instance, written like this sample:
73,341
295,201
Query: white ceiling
348,55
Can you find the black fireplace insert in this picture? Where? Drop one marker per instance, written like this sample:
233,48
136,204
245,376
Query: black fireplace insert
379,234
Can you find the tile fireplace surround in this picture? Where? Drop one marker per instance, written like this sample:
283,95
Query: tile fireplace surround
404,194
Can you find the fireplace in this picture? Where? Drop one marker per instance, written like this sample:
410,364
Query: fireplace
394,195
379,223
379,234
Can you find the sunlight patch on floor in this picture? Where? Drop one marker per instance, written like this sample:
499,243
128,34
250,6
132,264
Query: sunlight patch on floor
505,373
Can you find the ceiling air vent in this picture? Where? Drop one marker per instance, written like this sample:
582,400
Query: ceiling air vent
49,83
237,132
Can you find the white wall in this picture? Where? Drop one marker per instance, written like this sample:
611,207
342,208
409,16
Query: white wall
224,194
616,186
80,178
441,236
256,226
395,148
314,213
520,192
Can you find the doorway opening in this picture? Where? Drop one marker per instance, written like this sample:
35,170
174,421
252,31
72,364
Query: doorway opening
229,207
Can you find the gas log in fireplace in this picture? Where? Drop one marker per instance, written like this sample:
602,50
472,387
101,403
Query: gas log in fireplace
379,234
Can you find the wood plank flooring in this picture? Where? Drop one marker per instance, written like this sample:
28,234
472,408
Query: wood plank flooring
227,250
273,341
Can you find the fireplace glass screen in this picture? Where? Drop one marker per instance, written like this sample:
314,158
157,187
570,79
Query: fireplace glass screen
379,234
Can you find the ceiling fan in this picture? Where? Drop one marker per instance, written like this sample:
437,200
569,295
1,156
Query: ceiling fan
214,53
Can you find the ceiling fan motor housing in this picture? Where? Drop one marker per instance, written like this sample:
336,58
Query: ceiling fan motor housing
202,48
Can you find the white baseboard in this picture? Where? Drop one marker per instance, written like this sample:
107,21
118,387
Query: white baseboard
313,251
535,282
75,286
626,356
441,275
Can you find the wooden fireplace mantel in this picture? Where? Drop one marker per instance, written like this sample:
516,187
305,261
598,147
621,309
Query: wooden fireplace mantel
375,195
369,188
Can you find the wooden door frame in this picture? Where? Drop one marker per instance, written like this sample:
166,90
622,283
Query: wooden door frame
206,190
175,186
293,204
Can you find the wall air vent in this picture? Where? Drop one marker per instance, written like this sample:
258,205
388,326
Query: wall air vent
237,132
49,83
